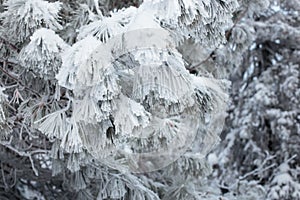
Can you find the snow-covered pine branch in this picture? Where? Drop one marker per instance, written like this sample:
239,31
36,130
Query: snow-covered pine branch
23,17
43,53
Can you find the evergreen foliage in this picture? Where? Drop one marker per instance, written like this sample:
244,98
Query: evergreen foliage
106,99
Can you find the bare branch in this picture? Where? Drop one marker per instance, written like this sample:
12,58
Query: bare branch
17,80
26,154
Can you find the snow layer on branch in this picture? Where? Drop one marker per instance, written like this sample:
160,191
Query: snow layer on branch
214,89
74,62
53,125
108,27
102,29
124,15
130,116
87,110
118,187
204,21
43,53
95,138
143,18
168,79
107,89
23,17
72,141
98,101
163,131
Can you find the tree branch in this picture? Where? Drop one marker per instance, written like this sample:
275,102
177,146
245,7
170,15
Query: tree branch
227,35
26,154
17,80
9,44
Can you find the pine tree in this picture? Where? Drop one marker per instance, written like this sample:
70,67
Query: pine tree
124,99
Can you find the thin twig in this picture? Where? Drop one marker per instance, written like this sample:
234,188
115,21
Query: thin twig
15,179
9,44
3,177
242,15
256,171
33,167
203,61
18,81
26,154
